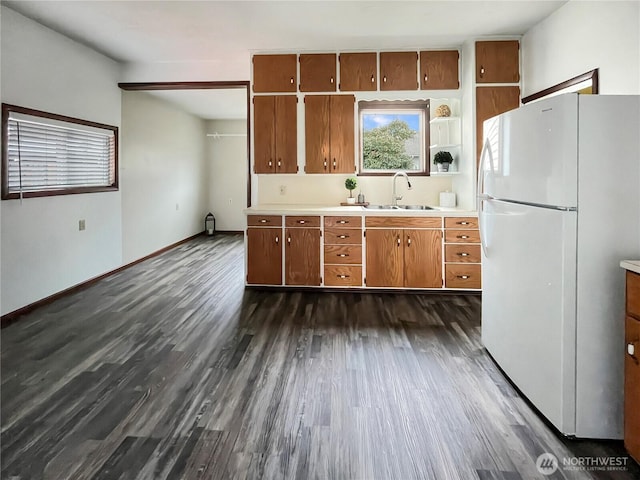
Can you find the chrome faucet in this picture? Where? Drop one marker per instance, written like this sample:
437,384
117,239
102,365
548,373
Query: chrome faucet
395,197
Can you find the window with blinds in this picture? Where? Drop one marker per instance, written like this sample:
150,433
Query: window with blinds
48,154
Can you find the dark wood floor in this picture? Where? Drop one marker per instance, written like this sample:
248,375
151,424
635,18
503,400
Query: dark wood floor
171,370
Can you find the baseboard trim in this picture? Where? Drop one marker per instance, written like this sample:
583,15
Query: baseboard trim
228,232
12,317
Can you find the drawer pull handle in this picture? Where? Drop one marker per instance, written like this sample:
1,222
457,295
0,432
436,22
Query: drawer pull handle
463,223
462,236
302,222
343,236
264,220
343,255
342,222
464,277
342,276
463,254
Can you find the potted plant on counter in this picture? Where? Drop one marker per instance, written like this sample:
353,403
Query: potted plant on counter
351,184
443,159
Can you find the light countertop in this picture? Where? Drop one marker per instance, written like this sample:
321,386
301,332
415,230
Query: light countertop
294,209
631,265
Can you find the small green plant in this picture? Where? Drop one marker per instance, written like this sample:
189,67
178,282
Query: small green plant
350,184
442,157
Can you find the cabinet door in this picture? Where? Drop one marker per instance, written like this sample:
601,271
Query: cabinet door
316,132
384,258
497,62
274,73
439,70
318,72
398,70
264,134
302,256
632,389
264,256
286,142
342,134
358,72
423,258
492,101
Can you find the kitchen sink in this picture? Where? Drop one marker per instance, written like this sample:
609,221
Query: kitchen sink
399,207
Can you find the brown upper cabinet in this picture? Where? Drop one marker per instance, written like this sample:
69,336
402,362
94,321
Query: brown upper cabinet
275,73
498,61
329,133
318,72
358,72
275,137
398,70
439,70
492,101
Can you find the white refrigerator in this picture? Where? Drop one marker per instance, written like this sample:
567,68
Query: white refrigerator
559,207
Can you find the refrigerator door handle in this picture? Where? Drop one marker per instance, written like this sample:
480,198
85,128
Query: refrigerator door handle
486,151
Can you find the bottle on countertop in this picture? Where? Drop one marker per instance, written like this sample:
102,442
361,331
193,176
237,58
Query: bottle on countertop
360,197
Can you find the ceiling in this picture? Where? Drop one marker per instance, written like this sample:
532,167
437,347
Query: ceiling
225,33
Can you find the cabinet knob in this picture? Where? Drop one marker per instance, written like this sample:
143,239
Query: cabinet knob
463,236
342,255
325,163
398,241
373,79
302,222
631,349
334,163
343,221
277,239
425,78
270,164
481,70
289,240
342,276
264,220
464,277
463,254
384,79
279,163
343,236
463,223
408,241
291,80
331,81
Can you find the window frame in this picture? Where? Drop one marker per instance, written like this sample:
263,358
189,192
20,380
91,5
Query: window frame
7,109
397,105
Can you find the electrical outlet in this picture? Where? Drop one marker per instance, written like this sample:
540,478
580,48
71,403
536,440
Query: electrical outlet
81,225
283,189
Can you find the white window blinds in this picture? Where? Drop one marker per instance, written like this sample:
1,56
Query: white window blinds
47,155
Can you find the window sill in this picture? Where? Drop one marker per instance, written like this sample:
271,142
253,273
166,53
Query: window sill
54,193
391,174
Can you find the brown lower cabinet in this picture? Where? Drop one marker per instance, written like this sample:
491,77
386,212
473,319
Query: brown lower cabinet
302,256
632,368
264,256
404,258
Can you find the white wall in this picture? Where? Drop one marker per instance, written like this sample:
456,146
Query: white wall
163,174
581,36
228,170
42,250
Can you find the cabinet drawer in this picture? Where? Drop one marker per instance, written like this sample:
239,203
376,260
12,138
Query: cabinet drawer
461,222
342,275
462,253
264,220
461,236
302,221
342,236
404,222
343,254
462,276
345,222
633,294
